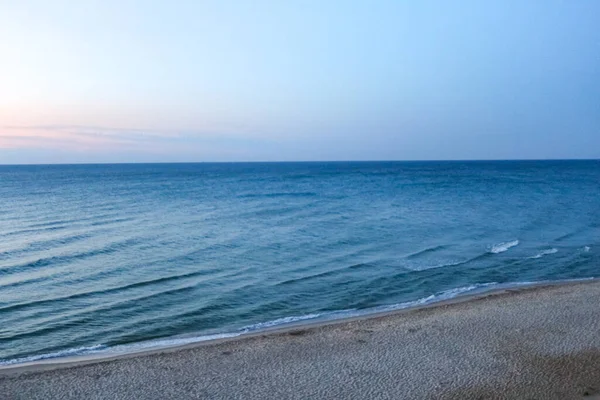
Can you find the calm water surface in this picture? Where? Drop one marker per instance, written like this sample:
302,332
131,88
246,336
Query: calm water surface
101,257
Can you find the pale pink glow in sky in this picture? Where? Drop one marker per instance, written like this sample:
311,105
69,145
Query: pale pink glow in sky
88,129
38,137
90,143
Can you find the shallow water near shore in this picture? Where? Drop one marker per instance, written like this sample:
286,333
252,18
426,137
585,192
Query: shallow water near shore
98,257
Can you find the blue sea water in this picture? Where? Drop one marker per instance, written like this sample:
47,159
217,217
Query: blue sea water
95,258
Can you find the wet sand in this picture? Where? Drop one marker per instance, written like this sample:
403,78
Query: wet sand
531,343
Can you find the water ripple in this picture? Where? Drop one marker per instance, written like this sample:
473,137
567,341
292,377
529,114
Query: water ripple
120,254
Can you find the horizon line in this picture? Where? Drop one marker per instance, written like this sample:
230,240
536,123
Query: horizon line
302,161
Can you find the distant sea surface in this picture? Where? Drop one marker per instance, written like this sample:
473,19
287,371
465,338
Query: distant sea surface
105,258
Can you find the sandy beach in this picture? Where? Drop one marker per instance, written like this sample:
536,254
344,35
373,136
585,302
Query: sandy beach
531,343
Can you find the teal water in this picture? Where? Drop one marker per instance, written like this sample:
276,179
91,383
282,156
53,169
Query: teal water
101,257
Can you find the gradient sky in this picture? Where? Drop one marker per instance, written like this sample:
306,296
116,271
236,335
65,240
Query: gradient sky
146,81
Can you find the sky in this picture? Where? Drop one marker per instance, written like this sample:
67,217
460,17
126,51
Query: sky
192,81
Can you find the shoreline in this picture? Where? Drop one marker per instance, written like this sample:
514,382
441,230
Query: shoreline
540,342
474,295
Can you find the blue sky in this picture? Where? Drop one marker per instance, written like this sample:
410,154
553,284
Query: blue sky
149,81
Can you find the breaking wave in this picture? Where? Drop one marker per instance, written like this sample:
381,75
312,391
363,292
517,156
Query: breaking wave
502,247
545,253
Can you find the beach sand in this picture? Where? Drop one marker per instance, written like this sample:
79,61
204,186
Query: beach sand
531,343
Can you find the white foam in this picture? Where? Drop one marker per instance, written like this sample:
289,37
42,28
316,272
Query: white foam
434,298
545,253
502,247
586,249
279,321
120,349
58,354
169,342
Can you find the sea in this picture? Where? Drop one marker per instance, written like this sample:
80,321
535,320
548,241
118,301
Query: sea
104,259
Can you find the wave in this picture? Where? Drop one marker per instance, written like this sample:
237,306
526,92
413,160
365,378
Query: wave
502,247
54,300
103,350
67,258
574,233
426,251
323,274
279,322
545,253
440,265
277,194
40,245
457,263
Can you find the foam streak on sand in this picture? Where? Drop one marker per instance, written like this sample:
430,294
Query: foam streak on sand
79,351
